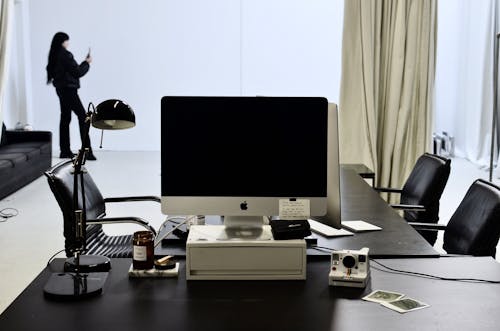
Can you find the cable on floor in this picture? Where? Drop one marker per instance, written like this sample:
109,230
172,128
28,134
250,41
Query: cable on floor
7,213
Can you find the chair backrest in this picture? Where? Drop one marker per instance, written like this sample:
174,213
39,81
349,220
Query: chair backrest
474,228
61,181
424,186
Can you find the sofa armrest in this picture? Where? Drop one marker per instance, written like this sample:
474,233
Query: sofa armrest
14,136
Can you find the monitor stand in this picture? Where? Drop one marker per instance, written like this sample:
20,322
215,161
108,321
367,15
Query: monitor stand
244,227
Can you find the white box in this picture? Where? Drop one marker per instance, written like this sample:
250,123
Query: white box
212,255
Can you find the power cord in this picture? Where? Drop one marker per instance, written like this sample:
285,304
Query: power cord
416,274
322,248
178,221
7,213
422,275
172,219
158,241
183,220
53,256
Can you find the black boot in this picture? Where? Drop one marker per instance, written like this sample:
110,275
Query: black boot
66,155
91,156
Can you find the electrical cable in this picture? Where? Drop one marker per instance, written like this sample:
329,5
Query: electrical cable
52,258
172,220
321,248
158,240
7,213
416,274
423,275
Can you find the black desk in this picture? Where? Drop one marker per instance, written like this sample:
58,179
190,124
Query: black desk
176,304
361,170
360,202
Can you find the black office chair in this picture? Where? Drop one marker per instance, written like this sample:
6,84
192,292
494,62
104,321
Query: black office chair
60,178
474,228
420,195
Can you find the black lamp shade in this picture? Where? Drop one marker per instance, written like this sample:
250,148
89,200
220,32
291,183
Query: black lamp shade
113,114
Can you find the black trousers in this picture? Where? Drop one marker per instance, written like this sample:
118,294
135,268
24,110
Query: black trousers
70,101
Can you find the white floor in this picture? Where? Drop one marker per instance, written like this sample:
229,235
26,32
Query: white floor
28,240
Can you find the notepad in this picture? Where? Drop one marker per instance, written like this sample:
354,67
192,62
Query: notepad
360,226
328,231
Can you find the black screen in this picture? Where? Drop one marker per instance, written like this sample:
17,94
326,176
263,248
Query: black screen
244,146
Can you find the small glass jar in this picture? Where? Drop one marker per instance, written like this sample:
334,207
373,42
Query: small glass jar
143,254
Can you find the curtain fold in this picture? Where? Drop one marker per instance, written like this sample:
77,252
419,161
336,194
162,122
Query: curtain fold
388,64
6,7
474,85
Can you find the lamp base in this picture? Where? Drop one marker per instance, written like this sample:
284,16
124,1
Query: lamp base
88,263
74,286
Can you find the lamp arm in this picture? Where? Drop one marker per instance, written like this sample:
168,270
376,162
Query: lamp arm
80,215
125,121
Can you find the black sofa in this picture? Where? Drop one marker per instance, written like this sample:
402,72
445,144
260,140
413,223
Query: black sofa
24,156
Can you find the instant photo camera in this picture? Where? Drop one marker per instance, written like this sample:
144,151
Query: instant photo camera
349,268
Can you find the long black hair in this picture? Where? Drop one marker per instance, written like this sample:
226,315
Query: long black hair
55,47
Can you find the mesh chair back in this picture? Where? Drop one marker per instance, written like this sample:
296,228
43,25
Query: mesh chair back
474,228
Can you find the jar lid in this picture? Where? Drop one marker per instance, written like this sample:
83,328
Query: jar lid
143,235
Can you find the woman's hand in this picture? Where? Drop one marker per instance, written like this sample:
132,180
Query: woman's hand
88,59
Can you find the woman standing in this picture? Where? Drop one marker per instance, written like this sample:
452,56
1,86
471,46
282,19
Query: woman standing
64,73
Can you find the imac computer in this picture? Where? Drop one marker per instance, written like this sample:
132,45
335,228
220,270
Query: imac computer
333,207
244,157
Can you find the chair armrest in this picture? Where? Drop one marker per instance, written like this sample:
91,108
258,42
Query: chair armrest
387,189
136,198
125,219
408,207
427,226
455,255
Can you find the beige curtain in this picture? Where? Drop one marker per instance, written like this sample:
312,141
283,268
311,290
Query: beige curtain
385,106
6,7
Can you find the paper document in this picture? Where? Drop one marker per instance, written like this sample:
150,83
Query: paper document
326,230
405,305
383,296
395,301
359,226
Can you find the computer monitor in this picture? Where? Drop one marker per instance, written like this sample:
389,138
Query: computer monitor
333,206
243,157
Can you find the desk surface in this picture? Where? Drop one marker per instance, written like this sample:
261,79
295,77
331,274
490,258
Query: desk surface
360,169
177,304
360,202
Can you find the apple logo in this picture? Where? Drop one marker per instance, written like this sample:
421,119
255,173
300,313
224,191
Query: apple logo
244,205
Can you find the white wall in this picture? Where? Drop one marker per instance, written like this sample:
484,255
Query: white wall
143,50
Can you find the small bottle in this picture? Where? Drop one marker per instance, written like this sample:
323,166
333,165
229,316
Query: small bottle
143,254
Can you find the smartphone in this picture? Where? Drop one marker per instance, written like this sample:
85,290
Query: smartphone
88,54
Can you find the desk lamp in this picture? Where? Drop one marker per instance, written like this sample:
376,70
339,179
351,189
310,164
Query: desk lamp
76,282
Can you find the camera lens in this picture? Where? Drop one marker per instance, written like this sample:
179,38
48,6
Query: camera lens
349,261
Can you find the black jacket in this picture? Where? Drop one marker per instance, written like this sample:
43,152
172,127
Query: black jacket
67,72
